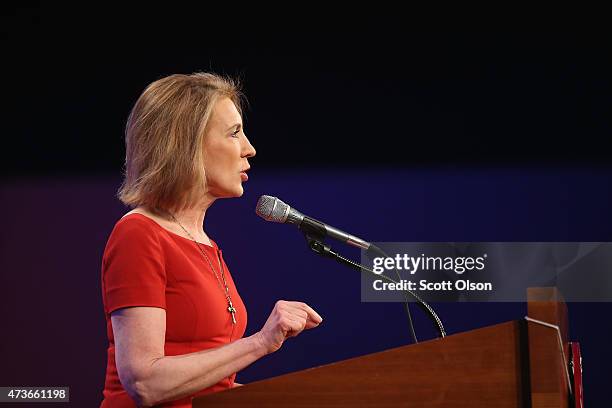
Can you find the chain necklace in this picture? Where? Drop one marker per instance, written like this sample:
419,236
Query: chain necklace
230,306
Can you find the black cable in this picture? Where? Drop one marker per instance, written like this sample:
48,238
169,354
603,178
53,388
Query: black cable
322,249
355,265
422,304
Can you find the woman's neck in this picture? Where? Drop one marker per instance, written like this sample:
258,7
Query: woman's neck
192,219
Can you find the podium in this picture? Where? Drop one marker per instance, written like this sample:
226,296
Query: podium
519,363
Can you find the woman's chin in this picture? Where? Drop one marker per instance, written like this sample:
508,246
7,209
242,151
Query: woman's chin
239,191
233,193
228,191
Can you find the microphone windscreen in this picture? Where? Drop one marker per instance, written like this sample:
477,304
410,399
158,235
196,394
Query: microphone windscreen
272,209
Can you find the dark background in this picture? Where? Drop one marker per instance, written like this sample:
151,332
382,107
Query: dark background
390,133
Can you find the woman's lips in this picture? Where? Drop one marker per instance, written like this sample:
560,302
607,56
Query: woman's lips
244,176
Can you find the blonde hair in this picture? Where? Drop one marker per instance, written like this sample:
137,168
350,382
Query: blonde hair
164,164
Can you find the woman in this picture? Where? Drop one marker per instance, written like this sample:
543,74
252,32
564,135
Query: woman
174,318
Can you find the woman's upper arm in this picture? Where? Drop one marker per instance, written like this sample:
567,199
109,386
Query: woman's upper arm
139,334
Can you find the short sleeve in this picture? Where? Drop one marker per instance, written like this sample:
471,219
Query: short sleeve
133,272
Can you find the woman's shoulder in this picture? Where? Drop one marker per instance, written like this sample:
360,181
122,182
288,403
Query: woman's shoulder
135,218
135,223
139,222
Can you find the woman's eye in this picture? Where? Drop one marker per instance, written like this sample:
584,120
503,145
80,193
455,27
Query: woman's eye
235,133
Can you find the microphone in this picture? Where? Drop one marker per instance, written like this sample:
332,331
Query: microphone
272,209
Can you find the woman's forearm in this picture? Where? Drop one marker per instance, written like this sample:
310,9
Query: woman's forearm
173,377
149,377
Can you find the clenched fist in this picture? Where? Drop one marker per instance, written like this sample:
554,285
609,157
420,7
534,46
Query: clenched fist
288,319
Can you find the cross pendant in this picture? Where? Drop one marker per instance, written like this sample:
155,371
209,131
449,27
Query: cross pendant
232,310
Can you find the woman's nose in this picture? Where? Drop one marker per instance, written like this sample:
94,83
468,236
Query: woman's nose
248,150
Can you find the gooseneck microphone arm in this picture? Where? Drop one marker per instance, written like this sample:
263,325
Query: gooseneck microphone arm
319,247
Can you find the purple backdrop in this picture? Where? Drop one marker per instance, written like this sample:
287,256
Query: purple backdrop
55,231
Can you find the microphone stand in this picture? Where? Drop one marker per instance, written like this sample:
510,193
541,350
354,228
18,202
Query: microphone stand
316,244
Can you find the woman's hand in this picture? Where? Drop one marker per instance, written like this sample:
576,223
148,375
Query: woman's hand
288,319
